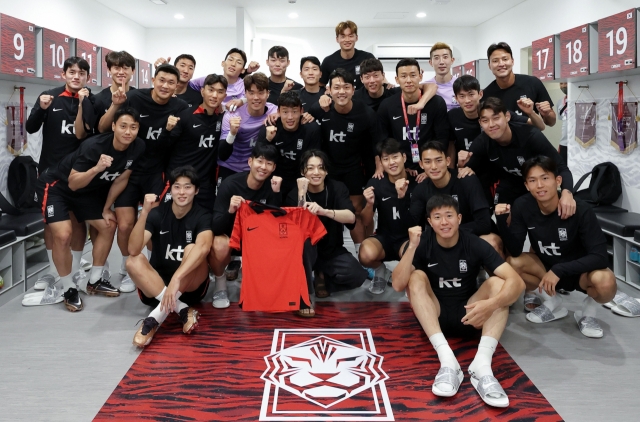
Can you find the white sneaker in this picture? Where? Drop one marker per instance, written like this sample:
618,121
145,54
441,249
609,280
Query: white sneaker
127,285
85,265
221,300
45,280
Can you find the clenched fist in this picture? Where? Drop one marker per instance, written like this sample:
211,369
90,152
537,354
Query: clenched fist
276,182
401,187
234,125
369,195
45,101
271,132
172,121
414,235
104,162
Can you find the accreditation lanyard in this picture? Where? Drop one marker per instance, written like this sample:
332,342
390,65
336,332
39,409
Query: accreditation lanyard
412,137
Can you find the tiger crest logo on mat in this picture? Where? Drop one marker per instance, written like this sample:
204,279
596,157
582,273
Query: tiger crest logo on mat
331,374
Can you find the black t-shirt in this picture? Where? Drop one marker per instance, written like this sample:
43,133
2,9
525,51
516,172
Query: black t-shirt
191,96
525,86
452,271
394,218
349,139
567,247
153,121
335,196
476,216
57,122
335,61
195,142
275,89
526,142
237,185
103,102
433,123
88,155
464,130
309,99
363,95
291,146
170,235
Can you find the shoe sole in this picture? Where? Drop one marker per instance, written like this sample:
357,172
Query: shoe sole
222,307
107,294
127,290
196,316
72,308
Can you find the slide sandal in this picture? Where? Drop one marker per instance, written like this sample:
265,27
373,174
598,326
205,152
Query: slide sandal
542,314
588,326
628,306
531,299
450,376
616,299
49,296
490,390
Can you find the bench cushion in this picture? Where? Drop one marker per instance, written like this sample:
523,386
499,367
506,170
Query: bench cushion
622,224
636,236
22,225
608,208
7,236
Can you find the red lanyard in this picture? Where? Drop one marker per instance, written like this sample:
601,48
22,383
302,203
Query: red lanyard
406,121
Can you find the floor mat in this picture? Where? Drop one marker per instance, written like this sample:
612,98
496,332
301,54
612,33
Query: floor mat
354,361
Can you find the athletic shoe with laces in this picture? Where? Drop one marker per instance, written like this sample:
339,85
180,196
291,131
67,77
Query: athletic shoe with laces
127,285
72,300
85,265
102,287
44,281
189,318
232,270
221,300
146,332
378,285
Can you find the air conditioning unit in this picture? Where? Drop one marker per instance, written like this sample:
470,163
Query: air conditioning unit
402,51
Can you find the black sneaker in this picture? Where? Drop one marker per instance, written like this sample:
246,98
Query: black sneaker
189,318
72,300
232,270
102,287
145,332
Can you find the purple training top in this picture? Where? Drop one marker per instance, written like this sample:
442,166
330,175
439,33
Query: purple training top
446,91
234,91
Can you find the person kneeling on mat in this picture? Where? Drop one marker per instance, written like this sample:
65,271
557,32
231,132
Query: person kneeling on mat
440,267
569,254
177,276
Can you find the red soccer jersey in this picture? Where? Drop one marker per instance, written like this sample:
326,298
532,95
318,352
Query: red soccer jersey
273,277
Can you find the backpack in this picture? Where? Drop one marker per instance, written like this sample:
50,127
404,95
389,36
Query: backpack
605,187
21,185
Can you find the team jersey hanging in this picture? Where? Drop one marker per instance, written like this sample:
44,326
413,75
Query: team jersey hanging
15,122
624,127
586,118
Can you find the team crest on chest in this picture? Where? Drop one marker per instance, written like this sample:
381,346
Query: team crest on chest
455,197
423,119
129,162
167,197
218,126
562,234
350,127
357,70
463,266
283,230
300,141
189,236
521,160
263,201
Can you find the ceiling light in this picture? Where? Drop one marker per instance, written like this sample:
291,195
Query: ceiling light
178,16
293,15
421,15
158,1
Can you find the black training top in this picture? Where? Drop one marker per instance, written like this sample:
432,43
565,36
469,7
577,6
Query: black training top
352,65
394,218
525,86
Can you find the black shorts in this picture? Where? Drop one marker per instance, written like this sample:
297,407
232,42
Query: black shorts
506,194
391,246
206,197
190,298
139,185
223,173
57,201
569,283
341,271
354,179
452,310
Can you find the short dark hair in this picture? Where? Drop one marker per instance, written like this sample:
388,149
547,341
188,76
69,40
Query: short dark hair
547,164
312,59
75,60
258,79
265,150
214,79
278,51
237,50
343,74
494,104
126,111
407,62
499,46
434,145
167,68
185,56
466,83
185,171
304,159
440,200
289,99
388,146
371,65
120,58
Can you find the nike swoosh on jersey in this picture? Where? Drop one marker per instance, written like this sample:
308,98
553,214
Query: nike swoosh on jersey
396,117
530,228
144,115
494,159
459,128
279,143
57,109
161,232
432,265
251,228
384,199
325,120
195,126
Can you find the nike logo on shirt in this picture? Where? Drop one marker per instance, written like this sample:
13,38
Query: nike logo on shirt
279,143
325,120
57,109
144,115
530,228
459,128
251,228
432,265
161,232
384,199
494,159
396,117
195,126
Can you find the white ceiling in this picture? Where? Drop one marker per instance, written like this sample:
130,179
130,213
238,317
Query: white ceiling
312,13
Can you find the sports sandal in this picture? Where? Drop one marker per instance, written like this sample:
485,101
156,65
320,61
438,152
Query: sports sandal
531,299
49,296
588,326
627,306
450,376
306,313
490,390
542,314
617,298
